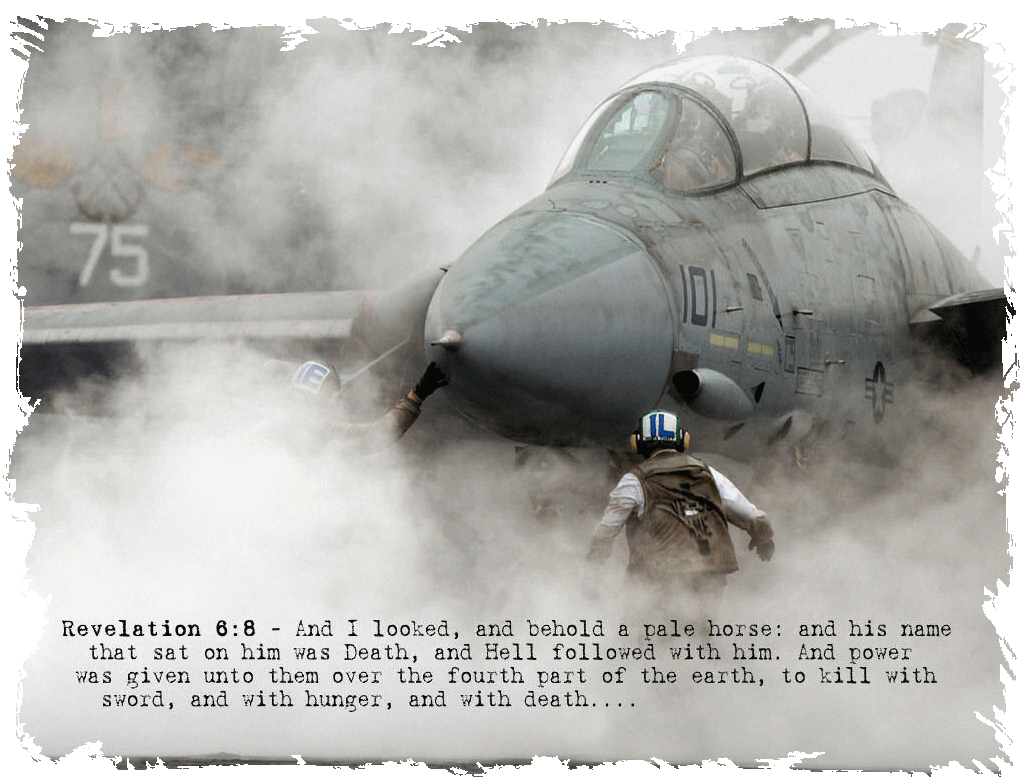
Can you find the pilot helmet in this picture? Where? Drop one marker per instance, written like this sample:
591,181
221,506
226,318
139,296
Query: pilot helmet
659,430
317,379
770,108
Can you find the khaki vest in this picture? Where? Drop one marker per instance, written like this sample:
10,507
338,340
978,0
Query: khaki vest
683,528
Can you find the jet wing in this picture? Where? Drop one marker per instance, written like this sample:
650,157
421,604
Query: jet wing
314,316
972,324
64,344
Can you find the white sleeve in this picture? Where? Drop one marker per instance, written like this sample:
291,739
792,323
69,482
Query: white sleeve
627,497
740,511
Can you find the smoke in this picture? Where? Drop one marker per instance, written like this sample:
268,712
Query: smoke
352,161
931,119
210,498
357,158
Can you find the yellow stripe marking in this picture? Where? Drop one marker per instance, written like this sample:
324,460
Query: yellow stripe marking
723,340
760,348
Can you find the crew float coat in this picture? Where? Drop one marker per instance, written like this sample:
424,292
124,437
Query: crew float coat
675,509
683,527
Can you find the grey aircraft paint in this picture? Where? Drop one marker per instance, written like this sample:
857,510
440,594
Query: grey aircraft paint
714,242
738,299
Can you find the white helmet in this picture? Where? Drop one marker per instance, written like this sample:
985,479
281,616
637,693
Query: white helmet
659,430
317,379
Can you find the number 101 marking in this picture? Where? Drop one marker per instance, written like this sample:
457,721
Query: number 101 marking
118,248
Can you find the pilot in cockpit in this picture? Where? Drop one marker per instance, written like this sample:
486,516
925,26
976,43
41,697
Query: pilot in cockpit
698,155
768,136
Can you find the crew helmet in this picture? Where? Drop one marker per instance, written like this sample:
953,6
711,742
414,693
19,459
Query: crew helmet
317,379
659,430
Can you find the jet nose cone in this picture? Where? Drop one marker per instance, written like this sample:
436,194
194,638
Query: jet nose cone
554,329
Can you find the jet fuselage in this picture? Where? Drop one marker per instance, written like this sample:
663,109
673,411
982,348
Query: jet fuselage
781,293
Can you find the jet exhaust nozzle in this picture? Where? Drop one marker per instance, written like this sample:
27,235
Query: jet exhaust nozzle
711,394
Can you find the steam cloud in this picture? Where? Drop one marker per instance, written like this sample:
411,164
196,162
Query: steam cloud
205,499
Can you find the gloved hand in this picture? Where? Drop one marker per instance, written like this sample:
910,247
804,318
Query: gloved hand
763,549
433,378
762,538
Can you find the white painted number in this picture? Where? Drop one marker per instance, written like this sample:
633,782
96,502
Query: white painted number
100,230
118,248
138,252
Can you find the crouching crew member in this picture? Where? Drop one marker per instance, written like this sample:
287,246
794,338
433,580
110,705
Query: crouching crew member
322,381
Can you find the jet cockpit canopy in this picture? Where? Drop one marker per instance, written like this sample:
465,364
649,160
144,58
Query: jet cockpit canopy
704,122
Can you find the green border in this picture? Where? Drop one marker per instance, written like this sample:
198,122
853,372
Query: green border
23,610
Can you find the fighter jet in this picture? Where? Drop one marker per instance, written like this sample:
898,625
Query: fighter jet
714,242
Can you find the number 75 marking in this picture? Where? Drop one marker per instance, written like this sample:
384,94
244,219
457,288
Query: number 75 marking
118,248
